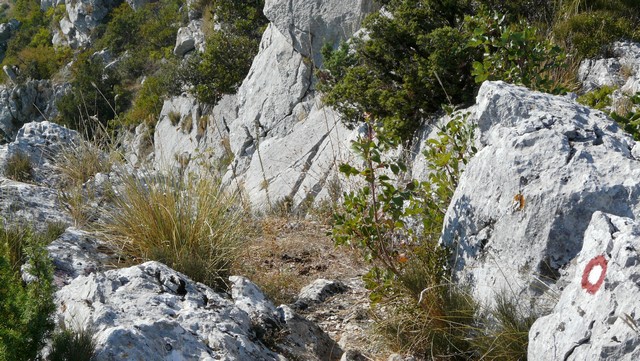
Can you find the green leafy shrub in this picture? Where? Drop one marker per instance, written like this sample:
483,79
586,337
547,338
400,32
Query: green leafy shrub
188,224
148,102
96,96
30,49
229,49
424,311
19,167
148,31
514,53
597,99
410,64
25,308
630,120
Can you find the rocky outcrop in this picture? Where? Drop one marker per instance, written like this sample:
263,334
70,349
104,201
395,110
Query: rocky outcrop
597,315
78,253
82,16
620,71
35,100
152,310
35,204
279,141
545,164
178,133
40,141
189,38
309,25
31,204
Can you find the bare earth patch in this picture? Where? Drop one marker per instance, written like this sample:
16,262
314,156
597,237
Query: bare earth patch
286,254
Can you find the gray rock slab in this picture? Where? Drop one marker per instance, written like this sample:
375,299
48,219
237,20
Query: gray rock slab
318,291
150,312
598,313
78,253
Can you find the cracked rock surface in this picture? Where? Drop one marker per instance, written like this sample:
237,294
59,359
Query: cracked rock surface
544,165
598,314
151,309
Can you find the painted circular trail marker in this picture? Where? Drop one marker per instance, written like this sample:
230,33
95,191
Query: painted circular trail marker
594,273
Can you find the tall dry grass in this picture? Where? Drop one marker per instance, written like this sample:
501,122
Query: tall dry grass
187,223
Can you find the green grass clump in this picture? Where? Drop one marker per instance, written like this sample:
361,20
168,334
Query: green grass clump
507,336
19,167
70,345
25,308
188,224
597,99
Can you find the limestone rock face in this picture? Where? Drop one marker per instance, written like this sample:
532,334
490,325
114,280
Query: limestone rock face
308,25
34,100
152,312
274,140
545,164
82,17
36,204
597,316
77,253
40,141
176,135
621,71
286,144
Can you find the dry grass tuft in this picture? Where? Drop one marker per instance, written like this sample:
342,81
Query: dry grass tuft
19,167
80,161
188,224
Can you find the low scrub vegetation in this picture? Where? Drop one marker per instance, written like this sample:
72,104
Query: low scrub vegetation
419,308
25,307
71,345
188,224
428,53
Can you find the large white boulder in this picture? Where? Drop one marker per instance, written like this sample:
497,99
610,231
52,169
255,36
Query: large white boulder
150,312
545,164
597,316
